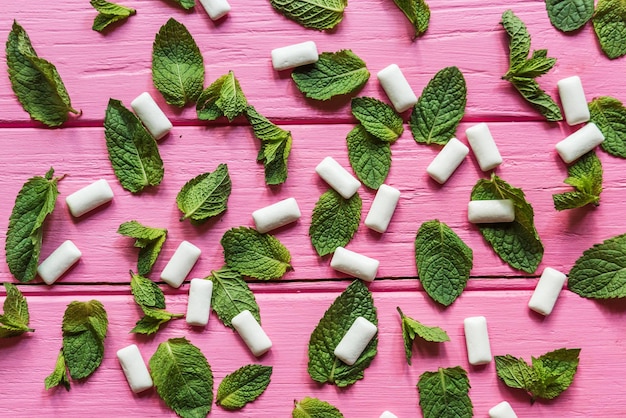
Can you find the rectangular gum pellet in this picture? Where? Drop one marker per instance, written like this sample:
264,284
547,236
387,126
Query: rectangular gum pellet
251,333
397,87
355,340
573,100
387,414
447,161
354,264
134,368
337,177
490,211
477,340
216,9
60,261
199,302
180,264
276,215
580,142
502,410
484,147
547,291
151,115
89,197
295,55
382,209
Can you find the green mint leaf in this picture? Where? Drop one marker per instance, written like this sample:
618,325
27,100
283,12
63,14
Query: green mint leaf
516,243
232,101
418,13
205,196
177,65
314,408
109,13
335,73
444,393
411,329
132,150
35,81
313,14
569,15
146,292
533,67
519,42
440,108
183,378
538,98
334,222
231,296
59,375
34,202
264,130
151,322
242,386
609,23
149,240
586,177
443,261
323,366
599,272
378,118
15,318
256,255
369,157
609,114
206,106
515,372
185,4
84,328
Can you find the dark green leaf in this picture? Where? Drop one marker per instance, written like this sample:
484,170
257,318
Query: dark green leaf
609,23
109,13
335,221
569,15
369,157
444,393
242,386
378,118
314,14
206,195
418,13
231,295
149,240
609,114
538,98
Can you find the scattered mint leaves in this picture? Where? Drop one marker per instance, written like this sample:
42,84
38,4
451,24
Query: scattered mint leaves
177,64
369,157
517,243
440,108
132,150
14,320
314,408
313,14
418,13
334,222
378,118
34,202
443,261
224,97
183,378
256,255
585,175
35,81
59,375
445,393
323,366
411,329
569,15
335,73
231,296
205,196
150,298
109,13
609,114
149,240
242,386
609,23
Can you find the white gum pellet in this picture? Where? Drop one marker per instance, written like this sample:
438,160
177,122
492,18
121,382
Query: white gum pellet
151,115
355,340
484,147
573,100
89,197
60,261
580,142
477,340
447,161
180,264
295,55
354,264
216,9
276,215
490,211
337,177
388,414
251,333
199,302
547,291
502,410
397,88
382,209
134,368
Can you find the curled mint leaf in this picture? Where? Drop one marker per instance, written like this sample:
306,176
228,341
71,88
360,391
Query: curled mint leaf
59,375
418,13
243,386
314,408
334,222
14,320
150,298
609,114
313,14
539,99
445,393
609,23
369,157
231,295
585,175
569,15
412,329
109,13
378,118
149,240
205,196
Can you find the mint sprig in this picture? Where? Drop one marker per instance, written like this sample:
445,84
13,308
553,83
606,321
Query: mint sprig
109,13
412,330
585,175
149,240
224,97
150,298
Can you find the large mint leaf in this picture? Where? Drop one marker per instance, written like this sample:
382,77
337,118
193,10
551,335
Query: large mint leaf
314,14
109,13
335,221
242,386
369,157
585,175
418,13
231,296
445,393
205,196
609,23
609,114
569,15
378,118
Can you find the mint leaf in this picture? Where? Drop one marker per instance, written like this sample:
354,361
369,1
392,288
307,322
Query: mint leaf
150,298
132,150
412,329
109,13
206,106
205,196
600,273
149,240
264,130
183,378
440,108
539,99
185,4
35,81
34,202
223,97
378,118
231,296
177,65
443,261
609,114
586,177
418,13
534,67
369,157
334,222
515,372
516,243
569,15
519,42
314,408
242,386
59,375
609,23
335,73
445,393
256,255
314,14
15,318
323,366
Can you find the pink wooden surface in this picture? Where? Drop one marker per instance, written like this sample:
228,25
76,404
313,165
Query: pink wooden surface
464,33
